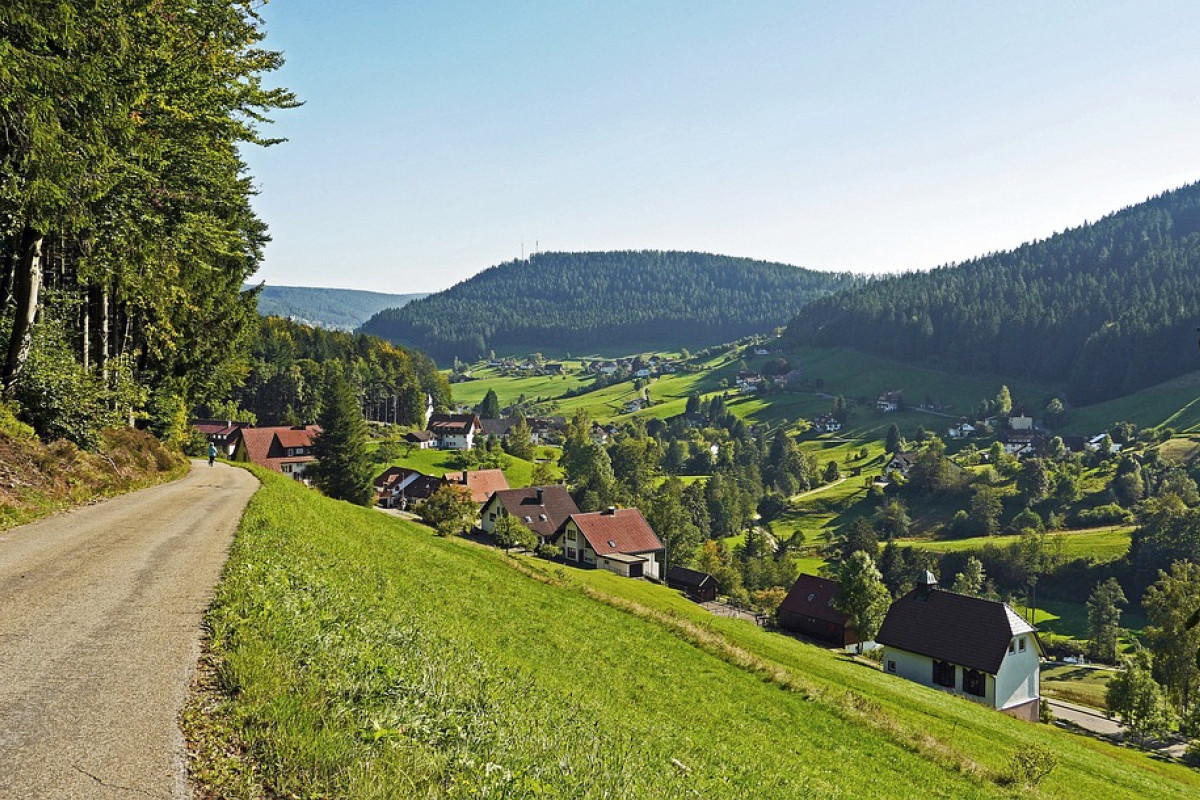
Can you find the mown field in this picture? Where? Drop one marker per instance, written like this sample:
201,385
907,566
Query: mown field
1100,544
434,462
356,655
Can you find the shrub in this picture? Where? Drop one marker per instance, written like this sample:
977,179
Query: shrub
1030,765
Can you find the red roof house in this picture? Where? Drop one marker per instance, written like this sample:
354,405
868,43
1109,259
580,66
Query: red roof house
283,449
620,541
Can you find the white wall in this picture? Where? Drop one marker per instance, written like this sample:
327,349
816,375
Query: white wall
1019,678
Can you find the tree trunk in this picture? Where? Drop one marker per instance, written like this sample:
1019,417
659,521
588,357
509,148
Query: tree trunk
104,333
27,281
85,329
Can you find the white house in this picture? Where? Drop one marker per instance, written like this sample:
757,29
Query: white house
961,430
889,402
978,649
619,541
455,431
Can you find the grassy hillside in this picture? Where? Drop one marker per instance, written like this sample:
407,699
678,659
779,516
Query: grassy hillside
356,655
345,309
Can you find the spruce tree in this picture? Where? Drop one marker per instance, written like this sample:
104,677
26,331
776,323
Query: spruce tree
343,468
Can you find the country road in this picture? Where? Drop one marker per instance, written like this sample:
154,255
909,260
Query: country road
100,612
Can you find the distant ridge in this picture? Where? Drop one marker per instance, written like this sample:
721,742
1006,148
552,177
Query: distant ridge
1101,310
340,309
592,301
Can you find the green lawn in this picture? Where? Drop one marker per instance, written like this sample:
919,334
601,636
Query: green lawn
438,462
357,655
1174,404
1076,684
1099,544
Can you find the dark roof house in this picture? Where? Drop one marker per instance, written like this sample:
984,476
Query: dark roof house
699,586
977,648
542,509
809,610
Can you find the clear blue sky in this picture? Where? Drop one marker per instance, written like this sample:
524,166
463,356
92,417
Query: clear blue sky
436,137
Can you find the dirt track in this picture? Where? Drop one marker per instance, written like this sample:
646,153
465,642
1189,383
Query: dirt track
100,612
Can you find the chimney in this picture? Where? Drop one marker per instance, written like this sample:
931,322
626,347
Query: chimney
926,583
610,510
541,502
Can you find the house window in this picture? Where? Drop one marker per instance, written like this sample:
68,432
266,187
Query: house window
974,682
1012,646
291,451
570,534
943,674
492,516
1021,644
891,666
571,554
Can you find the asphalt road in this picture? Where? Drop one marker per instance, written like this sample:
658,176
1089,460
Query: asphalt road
100,612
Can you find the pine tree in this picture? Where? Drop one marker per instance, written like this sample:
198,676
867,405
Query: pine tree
1104,619
343,467
489,407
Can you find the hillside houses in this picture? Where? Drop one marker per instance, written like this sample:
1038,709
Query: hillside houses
826,424
809,610
889,402
455,431
284,449
479,483
975,648
398,487
221,433
618,540
542,509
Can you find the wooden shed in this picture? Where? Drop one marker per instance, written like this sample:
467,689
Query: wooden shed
808,610
700,586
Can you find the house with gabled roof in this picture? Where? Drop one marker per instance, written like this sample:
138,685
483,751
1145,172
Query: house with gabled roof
398,487
809,609
618,540
423,440
975,648
889,402
542,509
222,433
480,483
455,431
284,449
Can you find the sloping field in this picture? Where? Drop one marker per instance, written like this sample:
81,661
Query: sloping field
357,655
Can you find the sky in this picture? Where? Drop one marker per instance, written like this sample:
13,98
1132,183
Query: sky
440,138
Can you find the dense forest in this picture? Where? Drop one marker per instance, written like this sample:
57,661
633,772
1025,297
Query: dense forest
289,364
1101,310
587,301
126,231
341,309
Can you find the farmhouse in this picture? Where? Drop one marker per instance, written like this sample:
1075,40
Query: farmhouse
808,610
497,427
479,482
979,649
889,402
220,432
700,586
455,431
961,429
397,487
900,464
422,439
619,541
542,509
283,449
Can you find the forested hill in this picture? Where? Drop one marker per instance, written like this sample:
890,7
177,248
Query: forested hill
586,301
1100,310
343,309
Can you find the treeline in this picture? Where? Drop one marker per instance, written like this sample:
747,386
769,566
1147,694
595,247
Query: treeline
289,365
585,301
1109,307
126,230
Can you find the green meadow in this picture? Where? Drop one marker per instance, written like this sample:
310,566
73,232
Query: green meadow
356,655
1098,544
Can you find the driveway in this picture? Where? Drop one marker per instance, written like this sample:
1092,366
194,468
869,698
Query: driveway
100,613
